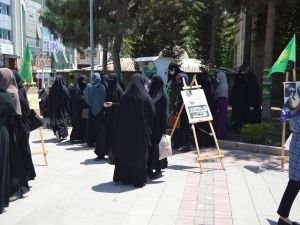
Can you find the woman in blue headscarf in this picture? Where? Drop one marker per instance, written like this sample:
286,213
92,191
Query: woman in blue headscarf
94,96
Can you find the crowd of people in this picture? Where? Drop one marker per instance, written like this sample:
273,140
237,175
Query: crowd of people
101,114
16,166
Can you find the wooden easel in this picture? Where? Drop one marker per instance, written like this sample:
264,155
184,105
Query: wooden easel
33,103
282,157
200,158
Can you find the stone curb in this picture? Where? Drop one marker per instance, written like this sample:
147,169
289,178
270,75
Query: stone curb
262,149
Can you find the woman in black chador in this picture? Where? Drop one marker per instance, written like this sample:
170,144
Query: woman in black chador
254,100
58,108
78,110
18,178
239,102
160,100
94,96
134,132
114,93
202,129
23,130
7,115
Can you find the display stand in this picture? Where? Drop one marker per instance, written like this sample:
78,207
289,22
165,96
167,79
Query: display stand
197,113
32,96
282,157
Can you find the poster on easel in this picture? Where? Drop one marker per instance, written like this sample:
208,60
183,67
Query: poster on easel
291,99
33,100
196,105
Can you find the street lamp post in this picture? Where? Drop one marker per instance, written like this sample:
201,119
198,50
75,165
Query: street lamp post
91,38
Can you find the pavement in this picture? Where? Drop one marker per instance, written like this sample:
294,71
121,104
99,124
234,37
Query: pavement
76,190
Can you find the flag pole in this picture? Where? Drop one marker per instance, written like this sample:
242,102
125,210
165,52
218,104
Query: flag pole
294,69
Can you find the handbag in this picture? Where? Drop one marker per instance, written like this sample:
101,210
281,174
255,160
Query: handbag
165,147
172,119
34,120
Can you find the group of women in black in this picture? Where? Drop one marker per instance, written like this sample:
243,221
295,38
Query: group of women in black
16,166
125,124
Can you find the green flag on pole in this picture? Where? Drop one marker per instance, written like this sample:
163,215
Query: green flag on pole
26,67
288,54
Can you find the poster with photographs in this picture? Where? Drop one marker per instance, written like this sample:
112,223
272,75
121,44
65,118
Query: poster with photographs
291,104
196,106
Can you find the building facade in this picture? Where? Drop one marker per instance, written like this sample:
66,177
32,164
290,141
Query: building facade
20,25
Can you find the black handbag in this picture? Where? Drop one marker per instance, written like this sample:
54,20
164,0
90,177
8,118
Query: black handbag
34,120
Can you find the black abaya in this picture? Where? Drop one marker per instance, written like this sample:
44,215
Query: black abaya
160,100
133,138
77,105
109,116
239,102
23,130
202,129
7,113
58,107
254,99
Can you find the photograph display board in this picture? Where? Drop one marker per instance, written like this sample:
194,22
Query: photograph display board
291,98
196,105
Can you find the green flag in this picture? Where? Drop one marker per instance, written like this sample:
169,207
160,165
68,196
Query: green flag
287,55
26,67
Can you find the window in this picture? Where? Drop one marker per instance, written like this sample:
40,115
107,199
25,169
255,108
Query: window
4,34
4,9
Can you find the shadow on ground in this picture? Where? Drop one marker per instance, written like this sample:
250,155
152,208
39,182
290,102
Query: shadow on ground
112,187
92,161
52,140
271,222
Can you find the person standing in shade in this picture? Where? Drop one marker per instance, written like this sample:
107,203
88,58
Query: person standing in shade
254,99
94,96
7,115
182,137
18,178
133,134
239,102
78,110
58,108
23,129
160,99
222,105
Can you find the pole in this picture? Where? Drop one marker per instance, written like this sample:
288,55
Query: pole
91,39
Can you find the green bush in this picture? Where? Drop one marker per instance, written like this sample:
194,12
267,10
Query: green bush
256,133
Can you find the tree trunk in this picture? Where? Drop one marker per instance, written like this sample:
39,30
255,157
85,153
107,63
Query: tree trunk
213,43
116,52
118,37
268,56
104,59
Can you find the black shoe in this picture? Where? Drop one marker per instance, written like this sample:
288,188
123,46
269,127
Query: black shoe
282,222
99,158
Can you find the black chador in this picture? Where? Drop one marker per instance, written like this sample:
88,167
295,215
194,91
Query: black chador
18,177
114,93
239,102
78,110
134,132
254,100
202,129
160,101
94,96
23,130
7,115
58,107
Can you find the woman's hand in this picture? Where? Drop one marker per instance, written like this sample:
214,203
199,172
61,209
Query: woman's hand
108,104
